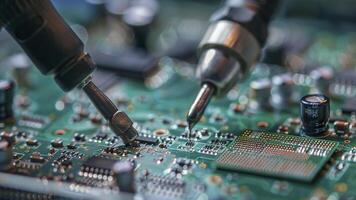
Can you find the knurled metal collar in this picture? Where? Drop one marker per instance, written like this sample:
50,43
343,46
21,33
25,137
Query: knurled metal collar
233,39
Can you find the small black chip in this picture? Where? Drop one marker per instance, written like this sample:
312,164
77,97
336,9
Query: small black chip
71,146
66,163
57,143
37,158
32,143
99,163
147,140
349,106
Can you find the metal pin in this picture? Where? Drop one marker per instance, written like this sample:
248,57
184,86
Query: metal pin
197,109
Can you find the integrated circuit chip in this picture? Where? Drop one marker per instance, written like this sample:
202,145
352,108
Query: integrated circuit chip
282,156
349,106
99,163
147,140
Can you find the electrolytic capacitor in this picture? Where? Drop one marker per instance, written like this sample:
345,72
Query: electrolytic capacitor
140,17
124,175
260,94
315,112
282,91
323,77
7,92
21,69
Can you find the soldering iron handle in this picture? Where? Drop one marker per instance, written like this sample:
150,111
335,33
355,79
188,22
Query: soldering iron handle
47,39
253,15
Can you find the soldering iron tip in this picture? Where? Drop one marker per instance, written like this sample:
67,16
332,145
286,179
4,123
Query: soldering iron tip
202,100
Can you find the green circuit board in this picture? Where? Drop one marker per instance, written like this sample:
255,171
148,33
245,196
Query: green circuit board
281,156
61,137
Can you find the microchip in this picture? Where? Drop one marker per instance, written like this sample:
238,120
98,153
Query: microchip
99,163
37,158
31,143
349,106
277,155
57,143
147,140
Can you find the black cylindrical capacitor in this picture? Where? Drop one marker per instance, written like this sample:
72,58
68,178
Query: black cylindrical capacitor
7,92
315,112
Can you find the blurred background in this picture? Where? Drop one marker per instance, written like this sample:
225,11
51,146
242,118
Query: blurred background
129,37
152,46
174,28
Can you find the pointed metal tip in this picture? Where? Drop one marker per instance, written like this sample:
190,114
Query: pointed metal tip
199,105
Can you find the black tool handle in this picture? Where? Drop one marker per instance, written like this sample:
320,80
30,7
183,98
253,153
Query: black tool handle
47,39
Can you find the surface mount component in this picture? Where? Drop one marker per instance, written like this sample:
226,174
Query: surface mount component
98,163
283,156
349,106
147,140
314,113
5,155
7,92
124,176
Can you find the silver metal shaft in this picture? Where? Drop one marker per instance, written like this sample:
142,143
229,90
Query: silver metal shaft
119,122
226,53
197,109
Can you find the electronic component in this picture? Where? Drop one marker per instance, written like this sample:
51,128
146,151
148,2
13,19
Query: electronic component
314,113
349,106
163,185
32,121
57,143
342,128
9,137
31,143
147,140
98,163
282,156
7,92
124,176
79,137
63,144
37,158
5,155
72,146
260,94
21,68
323,77
282,91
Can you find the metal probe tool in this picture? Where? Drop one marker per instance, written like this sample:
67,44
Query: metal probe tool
198,107
119,122
56,50
230,46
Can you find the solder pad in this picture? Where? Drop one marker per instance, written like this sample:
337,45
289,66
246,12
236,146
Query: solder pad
282,156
